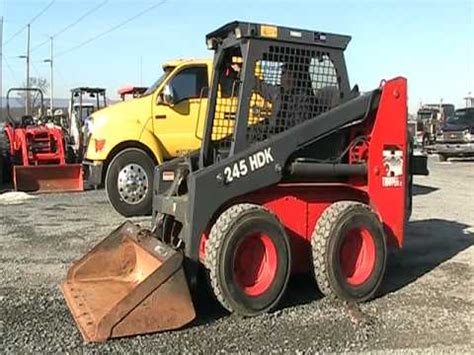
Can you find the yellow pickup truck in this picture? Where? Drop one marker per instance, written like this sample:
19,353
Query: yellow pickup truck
126,140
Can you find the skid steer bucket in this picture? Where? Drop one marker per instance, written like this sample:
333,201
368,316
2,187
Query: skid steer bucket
129,284
48,178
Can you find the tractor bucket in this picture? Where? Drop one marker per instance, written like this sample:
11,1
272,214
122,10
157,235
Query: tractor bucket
48,178
130,283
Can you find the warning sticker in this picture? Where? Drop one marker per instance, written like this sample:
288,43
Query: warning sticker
393,166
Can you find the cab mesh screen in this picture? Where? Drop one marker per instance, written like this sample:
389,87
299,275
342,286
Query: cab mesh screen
292,84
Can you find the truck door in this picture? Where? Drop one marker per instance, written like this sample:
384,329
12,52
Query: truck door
178,108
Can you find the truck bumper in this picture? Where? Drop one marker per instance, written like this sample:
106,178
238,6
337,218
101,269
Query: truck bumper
92,173
455,149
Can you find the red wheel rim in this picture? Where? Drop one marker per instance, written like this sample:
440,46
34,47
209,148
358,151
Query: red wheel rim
357,256
255,264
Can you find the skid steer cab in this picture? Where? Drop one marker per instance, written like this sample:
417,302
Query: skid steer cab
297,172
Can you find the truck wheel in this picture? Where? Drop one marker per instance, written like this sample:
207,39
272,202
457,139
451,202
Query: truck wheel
442,157
248,258
129,182
349,251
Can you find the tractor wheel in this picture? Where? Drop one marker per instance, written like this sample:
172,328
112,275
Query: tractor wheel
6,165
442,157
129,182
249,259
349,251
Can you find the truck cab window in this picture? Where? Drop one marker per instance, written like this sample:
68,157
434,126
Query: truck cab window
188,83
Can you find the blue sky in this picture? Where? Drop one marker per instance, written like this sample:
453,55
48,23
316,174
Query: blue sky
429,42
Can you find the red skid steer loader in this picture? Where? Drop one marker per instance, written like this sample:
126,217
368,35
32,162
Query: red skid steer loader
35,151
296,173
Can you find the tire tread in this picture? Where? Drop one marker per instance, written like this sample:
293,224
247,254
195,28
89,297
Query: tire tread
216,238
320,241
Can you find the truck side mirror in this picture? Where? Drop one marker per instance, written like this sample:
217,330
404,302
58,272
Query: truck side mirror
166,96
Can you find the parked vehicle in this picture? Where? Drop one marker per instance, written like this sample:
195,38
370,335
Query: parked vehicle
84,101
131,92
125,141
430,118
456,136
417,131
33,151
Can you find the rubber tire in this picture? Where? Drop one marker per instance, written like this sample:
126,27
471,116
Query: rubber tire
224,237
442,157
326,240
127,156
6,165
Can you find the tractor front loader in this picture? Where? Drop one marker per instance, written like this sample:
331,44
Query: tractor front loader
297,172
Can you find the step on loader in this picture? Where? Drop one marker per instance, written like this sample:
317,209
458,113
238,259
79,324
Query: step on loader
297,172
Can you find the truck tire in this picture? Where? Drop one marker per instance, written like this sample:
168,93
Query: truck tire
129,182
442,157
248,258
349,251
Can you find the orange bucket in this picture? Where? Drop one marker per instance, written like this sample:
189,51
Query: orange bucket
129,284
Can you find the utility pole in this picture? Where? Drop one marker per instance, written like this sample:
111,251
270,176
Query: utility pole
141,71
28,98
51,90
27,57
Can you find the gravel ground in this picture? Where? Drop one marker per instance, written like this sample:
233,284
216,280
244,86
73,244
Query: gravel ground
425,304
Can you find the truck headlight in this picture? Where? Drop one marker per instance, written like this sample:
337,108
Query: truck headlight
467,135
89,125
95,122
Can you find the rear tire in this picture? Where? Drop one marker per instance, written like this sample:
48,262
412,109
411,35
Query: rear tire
349,251
129,182
5,158
249,260
442,157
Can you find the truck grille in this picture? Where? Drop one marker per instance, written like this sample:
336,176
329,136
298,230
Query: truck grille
453,136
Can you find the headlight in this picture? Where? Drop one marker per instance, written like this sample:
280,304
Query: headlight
467,135
89,124
95,122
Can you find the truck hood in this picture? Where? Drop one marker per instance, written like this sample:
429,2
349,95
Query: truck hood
132,109
453,127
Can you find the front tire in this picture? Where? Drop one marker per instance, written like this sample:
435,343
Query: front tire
349,251
129,182
249,260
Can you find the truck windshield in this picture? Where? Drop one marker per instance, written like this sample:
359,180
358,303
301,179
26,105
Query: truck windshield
465,117
426,115
157,83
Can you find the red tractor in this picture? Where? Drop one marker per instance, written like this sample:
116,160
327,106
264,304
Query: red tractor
33,152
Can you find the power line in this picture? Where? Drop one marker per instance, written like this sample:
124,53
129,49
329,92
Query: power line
30,22
72,24
12,72
42,12
114,28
